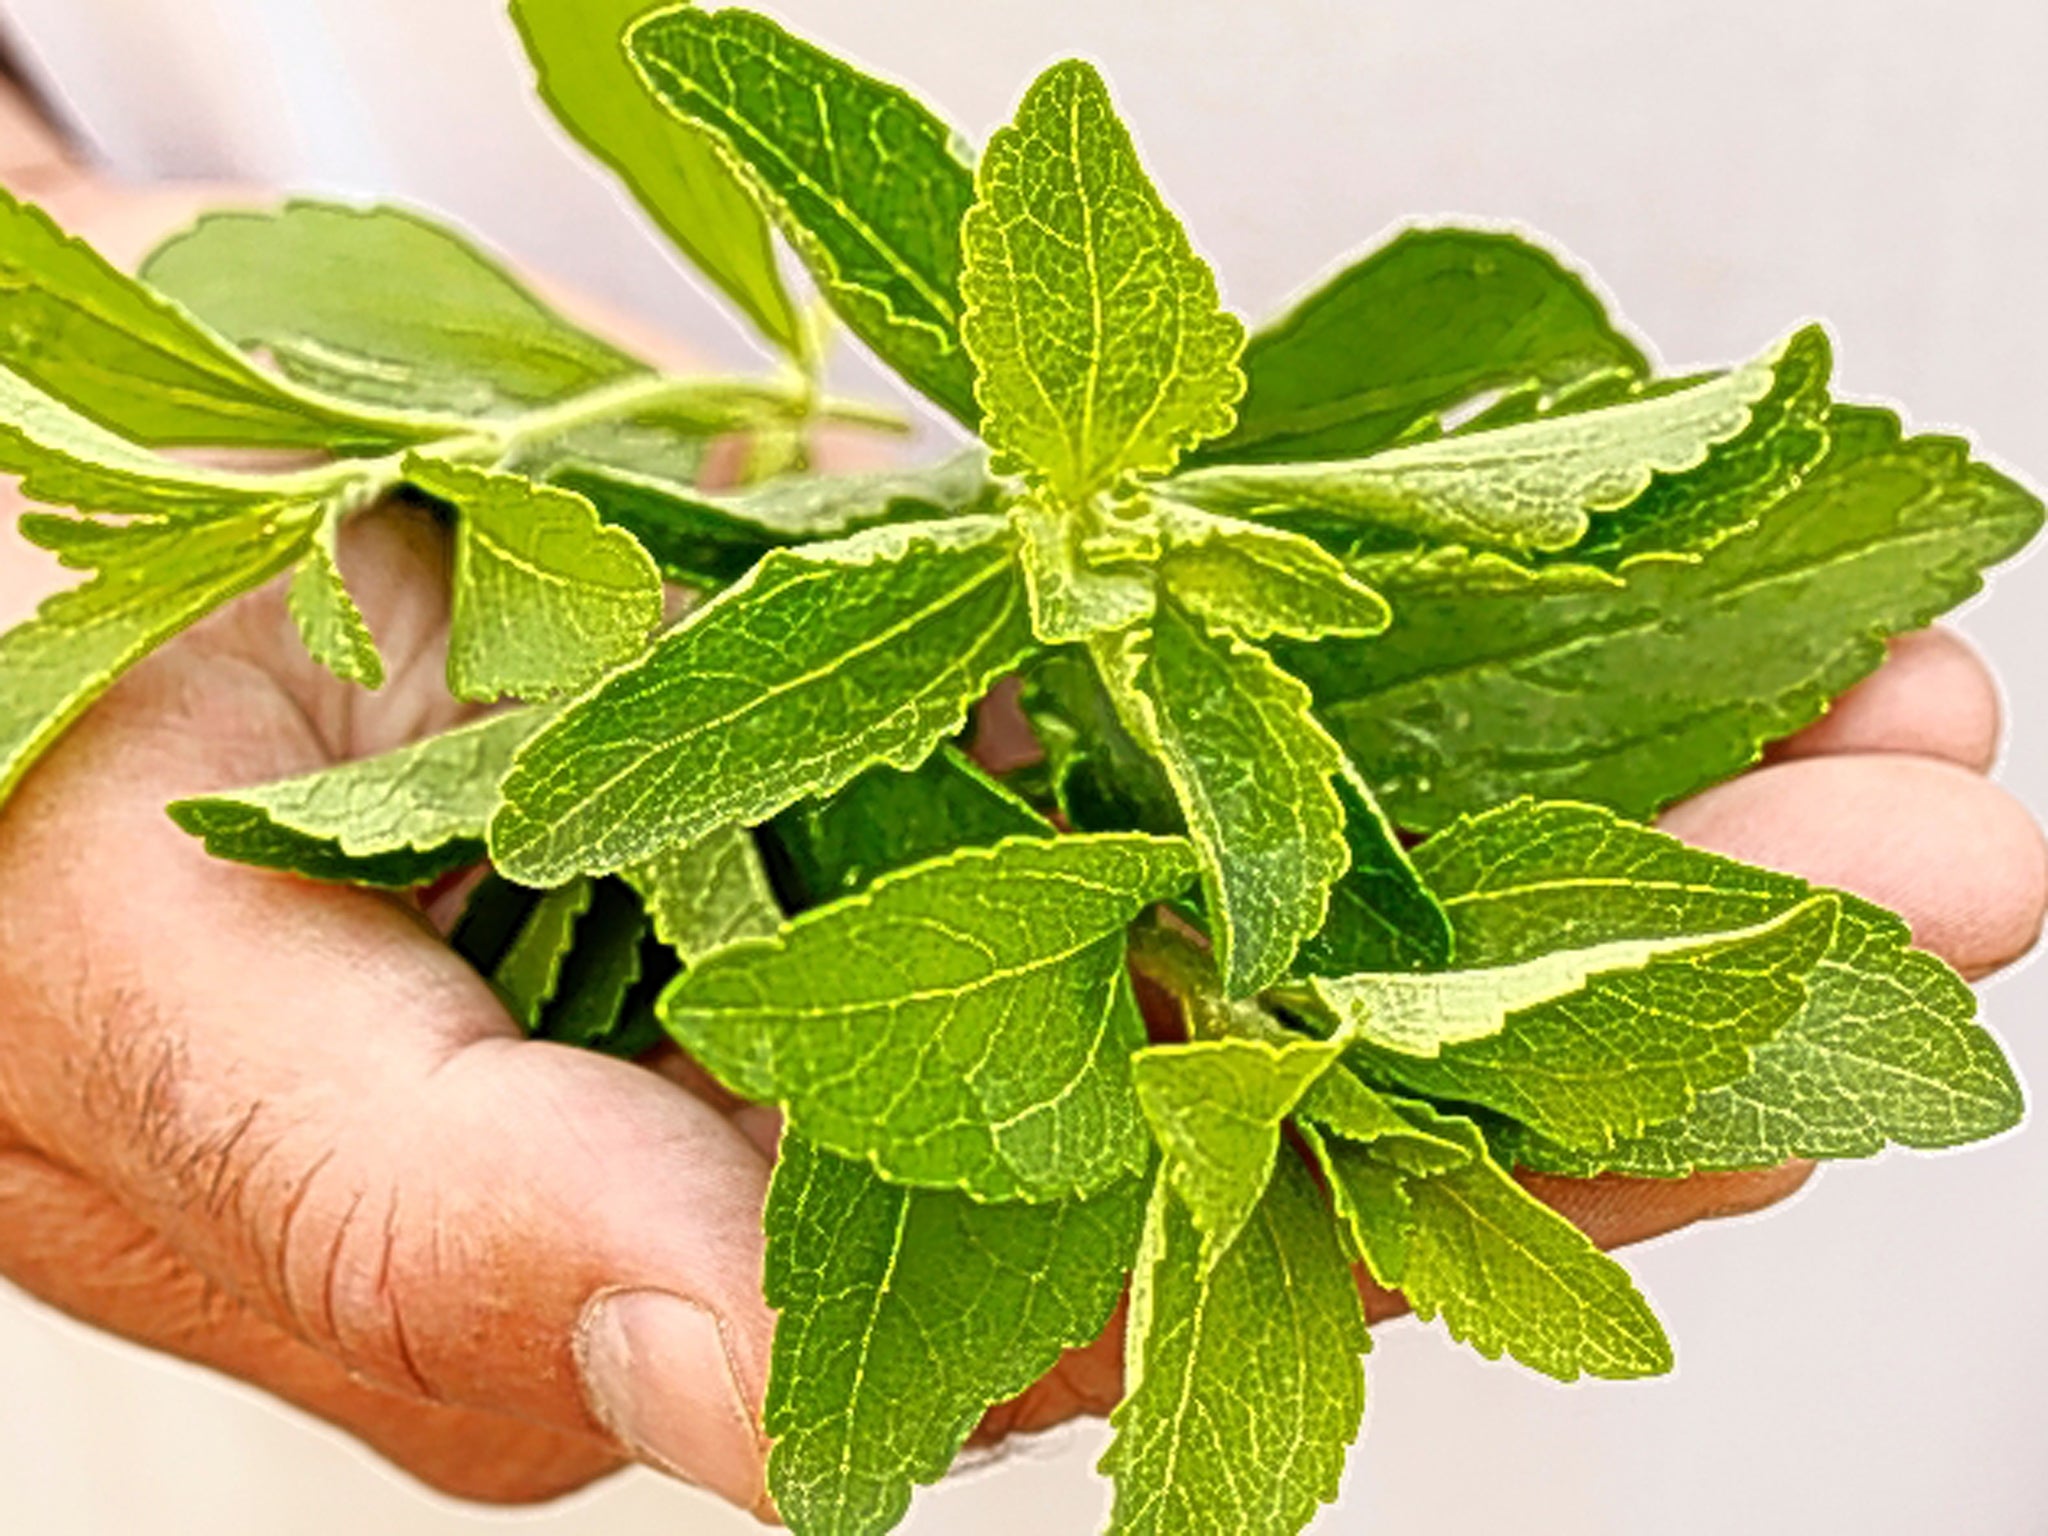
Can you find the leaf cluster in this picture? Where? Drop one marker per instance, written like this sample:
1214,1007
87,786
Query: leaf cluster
1357,648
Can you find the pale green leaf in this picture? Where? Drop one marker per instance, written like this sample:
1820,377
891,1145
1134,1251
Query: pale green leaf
904,1315
1632,1049
823,662
383,306
588,1006
1072,596
1427,323
867,184
1525,487
962,1024
1885,1050
526,976
1259,582
1638,690
1215,1108
1245,1383
400,819
330,624
546,596
678,174
139,365
1101,347
1421,1014
705,894
1253,772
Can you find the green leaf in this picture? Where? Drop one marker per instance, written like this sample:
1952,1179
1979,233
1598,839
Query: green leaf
1421,1015
1246,1387
713,539
1101,347
1341,1104
1215,1108
1382,917
1638,690
963,1024
1886,1049
137,364
1685,515
330,624
678,174
1525,487
400,819
904,1315
1103,779
884,820
1073,597
527,975
1253,772
705,894
382,306
152,579
546,596
1507,1274
1428,322
587,1005
1370,1196
823,662
1260,582
1634,1048
867,184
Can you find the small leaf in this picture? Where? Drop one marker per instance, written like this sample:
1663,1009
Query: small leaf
1261,582
1253,772
382,306
587,1006
1427,323
963,1024
1072,598
822,663
678,174
401,819
867,184
705,894
1245,1384
904,1315
546,596
330,624
1525,487
1101,347
526,976
1382,917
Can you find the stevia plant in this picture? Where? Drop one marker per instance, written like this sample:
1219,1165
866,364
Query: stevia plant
1437,554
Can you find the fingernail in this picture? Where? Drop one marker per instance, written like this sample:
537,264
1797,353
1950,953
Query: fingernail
659,1375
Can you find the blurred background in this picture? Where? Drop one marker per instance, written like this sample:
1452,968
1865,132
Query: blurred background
1872,1358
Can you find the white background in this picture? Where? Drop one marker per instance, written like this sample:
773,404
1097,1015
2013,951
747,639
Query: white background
1873,1359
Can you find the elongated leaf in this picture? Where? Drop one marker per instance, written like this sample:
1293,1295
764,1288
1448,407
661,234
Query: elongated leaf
1075,596
1634,692
1382,917
1101,346
1421,1015
822,663
1632,1049
904,1315
1885,1050
1253,772
331,626
1245,1382
587,78
867,184
546,596
1428,322
1260,582
400,819
963,1024
705,894
383,306
140,366
587,1006
1216,1108
152,580
1527,487
709,539
526,976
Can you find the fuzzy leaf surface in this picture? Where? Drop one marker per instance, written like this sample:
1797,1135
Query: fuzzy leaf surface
823,662
1245,1380
1101,346
904,1314
1635,691
399,819
867,184
1428,322
962,1024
